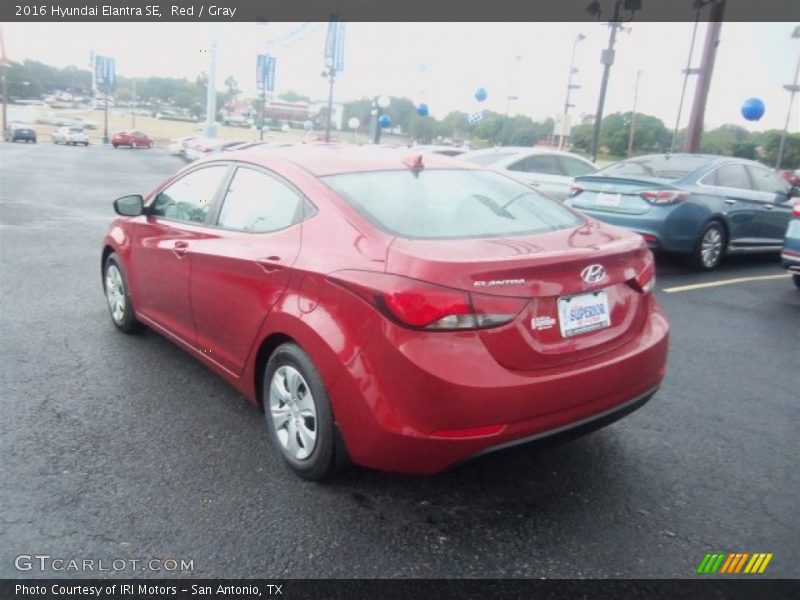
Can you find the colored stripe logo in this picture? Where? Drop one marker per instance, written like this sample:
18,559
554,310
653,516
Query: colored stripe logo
734,563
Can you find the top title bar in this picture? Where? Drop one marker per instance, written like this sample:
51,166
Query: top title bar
391,10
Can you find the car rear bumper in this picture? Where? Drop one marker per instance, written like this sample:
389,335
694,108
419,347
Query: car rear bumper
419,404
663,227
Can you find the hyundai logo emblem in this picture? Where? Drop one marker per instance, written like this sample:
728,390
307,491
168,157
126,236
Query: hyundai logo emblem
593,274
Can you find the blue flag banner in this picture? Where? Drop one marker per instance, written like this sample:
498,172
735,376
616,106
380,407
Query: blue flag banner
334,46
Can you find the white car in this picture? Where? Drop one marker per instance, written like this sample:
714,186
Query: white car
545,169
202,147
70,136
177,146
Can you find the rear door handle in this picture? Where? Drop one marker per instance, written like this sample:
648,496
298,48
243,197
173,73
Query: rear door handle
730,201
270,263
769,206
180,248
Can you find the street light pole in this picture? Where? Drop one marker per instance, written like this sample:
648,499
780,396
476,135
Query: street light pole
133,110
578,38
332,76
633,116
607,59
793,89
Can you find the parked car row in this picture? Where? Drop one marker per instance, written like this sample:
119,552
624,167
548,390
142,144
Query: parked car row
71,136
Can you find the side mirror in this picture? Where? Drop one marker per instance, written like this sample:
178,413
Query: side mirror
129,206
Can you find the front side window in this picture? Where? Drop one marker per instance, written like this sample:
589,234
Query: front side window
189,198
259,203
766,180
450,203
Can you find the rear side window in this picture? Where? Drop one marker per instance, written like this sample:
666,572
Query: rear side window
259,203
662,166
546,164
729,176
488,159
450,204
189,198
574,167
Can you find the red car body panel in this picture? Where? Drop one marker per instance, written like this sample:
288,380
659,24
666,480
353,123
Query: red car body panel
405,400
129,138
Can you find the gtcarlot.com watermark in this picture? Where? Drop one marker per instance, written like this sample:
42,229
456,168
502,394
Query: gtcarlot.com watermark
58,564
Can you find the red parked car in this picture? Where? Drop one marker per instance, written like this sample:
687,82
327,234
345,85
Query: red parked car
402,312
134,139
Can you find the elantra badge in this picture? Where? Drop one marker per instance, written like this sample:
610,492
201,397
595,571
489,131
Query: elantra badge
593,274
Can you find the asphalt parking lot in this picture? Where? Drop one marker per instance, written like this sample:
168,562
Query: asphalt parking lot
119,446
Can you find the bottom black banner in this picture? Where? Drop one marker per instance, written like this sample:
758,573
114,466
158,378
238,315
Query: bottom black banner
390,589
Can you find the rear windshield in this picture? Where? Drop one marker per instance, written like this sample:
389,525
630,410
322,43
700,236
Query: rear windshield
487,159
75,130
450,204
662,166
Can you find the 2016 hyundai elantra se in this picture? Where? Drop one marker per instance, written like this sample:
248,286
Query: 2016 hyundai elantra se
400,312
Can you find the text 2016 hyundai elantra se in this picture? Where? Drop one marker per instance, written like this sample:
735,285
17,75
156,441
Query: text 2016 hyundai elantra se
402,312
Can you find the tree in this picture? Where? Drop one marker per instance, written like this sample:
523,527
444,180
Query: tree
791,149
232,89
292,96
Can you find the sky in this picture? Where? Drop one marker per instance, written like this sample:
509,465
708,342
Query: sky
442,64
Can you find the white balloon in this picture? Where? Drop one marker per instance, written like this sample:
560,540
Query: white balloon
353,123
285,127
384,101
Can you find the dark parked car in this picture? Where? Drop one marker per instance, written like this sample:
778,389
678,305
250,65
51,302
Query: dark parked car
790,255
21,133
698,205
405,311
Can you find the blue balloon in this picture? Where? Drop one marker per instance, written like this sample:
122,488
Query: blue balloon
385,121
422,110
753,109
480,94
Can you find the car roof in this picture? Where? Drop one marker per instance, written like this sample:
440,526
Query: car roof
334,159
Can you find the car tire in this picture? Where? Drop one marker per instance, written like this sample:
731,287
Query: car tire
796,279
710,247
115,287
296,406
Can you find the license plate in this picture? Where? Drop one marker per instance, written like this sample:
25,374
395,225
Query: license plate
604,199
583,313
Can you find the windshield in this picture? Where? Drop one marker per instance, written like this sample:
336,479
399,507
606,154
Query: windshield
662,166
450,204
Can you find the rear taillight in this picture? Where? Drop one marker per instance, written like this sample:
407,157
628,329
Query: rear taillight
664,196
421,305
796,208
645,280
575,189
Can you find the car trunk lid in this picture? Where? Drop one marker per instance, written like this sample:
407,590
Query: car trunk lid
545,269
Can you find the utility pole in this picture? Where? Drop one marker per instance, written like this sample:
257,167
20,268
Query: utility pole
694,130
686,72
793,89
263,110
570,86
633,116
607,59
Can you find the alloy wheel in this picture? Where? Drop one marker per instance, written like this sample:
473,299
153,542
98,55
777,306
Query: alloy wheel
711,247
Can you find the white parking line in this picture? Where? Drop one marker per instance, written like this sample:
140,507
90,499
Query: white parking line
710,284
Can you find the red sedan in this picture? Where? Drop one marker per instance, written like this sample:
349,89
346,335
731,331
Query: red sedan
133,139
401,312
